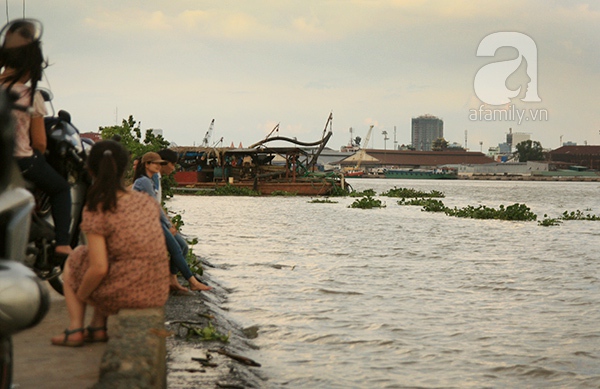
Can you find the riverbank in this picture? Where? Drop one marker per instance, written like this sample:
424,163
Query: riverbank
202,364
39,364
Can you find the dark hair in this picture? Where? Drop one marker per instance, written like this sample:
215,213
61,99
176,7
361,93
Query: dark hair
140,169
168,155
107,162
26,59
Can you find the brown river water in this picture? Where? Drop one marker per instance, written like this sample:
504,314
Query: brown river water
400,298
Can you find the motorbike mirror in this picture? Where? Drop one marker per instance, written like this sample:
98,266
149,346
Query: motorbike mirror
46,94
64,115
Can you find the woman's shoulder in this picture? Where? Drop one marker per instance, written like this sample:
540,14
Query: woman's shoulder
141,198
142,180
136,196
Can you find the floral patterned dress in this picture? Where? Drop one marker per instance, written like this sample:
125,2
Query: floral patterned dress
138,275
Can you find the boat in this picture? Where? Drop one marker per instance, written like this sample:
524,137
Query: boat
442,173
261,167
354,174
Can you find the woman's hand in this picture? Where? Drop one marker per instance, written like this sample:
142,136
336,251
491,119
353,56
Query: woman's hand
98,266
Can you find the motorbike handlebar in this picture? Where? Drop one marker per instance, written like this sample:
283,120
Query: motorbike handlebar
75,156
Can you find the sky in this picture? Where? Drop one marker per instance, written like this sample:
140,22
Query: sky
253,64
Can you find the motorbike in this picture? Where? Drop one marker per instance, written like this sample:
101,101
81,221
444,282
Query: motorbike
24,298
66,153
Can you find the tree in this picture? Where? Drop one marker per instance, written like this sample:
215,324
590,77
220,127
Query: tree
130,135
529,150
440,144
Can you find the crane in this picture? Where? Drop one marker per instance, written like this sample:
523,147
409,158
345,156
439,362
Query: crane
206,140
360,155
362,152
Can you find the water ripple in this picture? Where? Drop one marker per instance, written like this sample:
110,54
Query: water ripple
401,298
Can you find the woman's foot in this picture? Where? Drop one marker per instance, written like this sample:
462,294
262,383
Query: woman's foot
175,286
95,334
69,338
196,285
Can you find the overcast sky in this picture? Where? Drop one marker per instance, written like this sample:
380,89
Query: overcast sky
250,64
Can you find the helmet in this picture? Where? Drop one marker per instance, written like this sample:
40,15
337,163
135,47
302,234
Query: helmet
20,32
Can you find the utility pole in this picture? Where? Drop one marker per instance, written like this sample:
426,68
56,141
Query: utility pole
395,141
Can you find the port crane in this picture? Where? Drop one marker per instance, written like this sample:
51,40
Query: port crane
360,155
206,140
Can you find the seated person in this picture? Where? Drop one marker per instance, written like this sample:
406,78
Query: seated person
149,166
123,265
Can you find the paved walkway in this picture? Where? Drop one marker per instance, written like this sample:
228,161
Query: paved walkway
38,364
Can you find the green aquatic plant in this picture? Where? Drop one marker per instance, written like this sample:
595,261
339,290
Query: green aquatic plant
433,205
412,193
322,201
367,202
207,333
283,193
578,215
548,222
338,191
230,190
429,205
366,192
512,212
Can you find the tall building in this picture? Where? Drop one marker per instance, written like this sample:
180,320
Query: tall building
425,130
514,138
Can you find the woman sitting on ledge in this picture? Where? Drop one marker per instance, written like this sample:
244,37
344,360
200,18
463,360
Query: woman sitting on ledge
125,263
148,167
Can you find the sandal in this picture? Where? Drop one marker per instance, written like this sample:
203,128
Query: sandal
89,337
60,341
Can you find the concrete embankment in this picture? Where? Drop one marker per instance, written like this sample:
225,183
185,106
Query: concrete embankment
142,351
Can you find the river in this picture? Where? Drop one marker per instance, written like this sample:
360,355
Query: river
397,297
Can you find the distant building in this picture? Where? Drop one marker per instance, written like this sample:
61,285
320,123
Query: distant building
425,130
514,138
588,156
95,136
374,159
454,146
503,148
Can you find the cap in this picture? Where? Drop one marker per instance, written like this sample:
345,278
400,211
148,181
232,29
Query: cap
153,157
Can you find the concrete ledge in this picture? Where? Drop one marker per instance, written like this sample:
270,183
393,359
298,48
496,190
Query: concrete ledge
135,356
